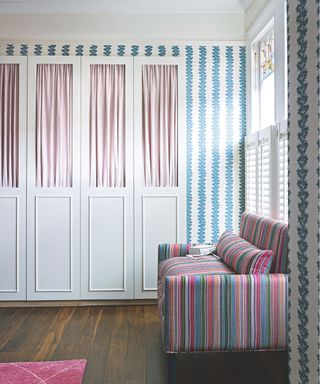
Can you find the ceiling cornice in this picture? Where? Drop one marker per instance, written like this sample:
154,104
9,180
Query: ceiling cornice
123,6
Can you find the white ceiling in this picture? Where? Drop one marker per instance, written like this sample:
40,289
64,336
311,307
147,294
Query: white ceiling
123,6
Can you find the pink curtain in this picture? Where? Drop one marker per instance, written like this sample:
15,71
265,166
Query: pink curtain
9,125
54,125
107,125
160,124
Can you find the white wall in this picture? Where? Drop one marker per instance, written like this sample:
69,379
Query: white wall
219,27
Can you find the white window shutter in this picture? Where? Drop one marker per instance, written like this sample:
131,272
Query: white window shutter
264,190
251,178
283,177
259,172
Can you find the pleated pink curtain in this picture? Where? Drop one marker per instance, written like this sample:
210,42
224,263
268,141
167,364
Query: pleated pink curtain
107,125
9,125
160,125
54,125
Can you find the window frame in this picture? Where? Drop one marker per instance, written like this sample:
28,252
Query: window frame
273,17
255,85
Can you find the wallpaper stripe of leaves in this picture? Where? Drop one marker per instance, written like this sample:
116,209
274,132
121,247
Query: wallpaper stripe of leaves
215,123
304,131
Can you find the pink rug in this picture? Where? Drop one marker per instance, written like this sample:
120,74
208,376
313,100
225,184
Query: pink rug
44,372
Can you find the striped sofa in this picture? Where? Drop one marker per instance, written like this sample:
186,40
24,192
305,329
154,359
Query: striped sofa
205,306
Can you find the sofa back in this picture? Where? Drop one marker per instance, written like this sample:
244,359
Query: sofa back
266,233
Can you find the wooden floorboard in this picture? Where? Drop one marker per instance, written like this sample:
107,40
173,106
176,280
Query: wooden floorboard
136,351
53,336
155,359
118,347
122,345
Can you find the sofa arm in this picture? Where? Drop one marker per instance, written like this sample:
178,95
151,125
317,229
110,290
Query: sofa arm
225,312
166,251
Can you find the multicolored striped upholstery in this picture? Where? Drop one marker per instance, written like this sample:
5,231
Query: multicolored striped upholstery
180,266
166,251
223,312
192,266
242,256
266,233
205,306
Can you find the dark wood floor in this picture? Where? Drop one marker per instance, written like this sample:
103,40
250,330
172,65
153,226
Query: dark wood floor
123,346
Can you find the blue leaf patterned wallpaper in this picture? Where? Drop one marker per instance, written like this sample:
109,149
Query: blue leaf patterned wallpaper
215,123
304,190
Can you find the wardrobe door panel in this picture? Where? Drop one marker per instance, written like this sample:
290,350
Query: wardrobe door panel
160,225
159,144
53,243
107,224
13,88
9,244
107,178
53,253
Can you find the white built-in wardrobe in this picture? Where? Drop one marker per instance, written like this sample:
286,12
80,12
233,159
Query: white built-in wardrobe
92,174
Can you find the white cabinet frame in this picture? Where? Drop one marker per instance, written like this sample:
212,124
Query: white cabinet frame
112,277
149,201
145,216
50,208
17,196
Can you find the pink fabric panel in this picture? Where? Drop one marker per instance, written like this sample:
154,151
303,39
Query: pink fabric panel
43,372
107,125
54,125
160,124
9,125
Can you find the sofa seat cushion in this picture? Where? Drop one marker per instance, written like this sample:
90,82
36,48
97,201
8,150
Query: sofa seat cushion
187,266
242,256
203,265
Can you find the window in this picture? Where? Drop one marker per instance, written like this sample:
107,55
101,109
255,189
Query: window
266,80
251,177
263,80
283,173
267,142
259,162
264,178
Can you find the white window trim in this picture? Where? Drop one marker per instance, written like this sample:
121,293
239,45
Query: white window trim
273,16
255,85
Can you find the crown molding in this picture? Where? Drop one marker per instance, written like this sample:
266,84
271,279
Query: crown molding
263,20
121,7
246,4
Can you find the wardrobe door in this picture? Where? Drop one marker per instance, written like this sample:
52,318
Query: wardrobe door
159,164
53,222
107,178
13,178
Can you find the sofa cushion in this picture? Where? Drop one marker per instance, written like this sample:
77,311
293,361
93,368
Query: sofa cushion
187,266
266,233
182,266
178,266
243,256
